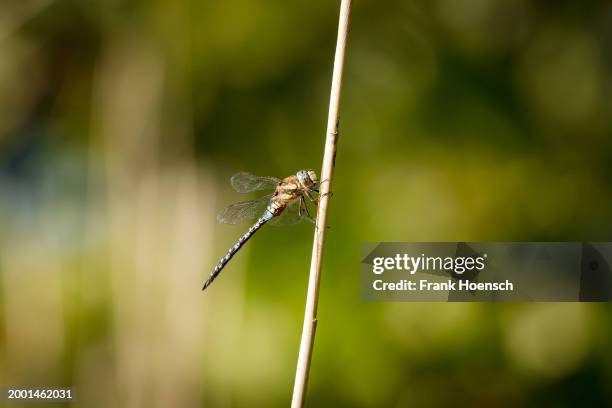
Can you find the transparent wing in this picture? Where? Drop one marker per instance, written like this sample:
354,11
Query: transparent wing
244,210
247,182
291,215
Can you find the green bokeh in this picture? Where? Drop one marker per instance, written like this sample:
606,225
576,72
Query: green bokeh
461,120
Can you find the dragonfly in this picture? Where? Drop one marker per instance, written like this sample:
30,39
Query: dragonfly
286,206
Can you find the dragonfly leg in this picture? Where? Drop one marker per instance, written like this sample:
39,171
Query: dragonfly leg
323,181
310,197
308,216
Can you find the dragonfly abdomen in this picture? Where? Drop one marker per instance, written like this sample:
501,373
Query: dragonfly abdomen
232,251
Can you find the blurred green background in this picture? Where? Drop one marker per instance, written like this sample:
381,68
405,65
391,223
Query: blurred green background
462,120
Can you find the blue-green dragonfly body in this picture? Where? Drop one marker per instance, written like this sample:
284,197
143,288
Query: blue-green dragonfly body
287,205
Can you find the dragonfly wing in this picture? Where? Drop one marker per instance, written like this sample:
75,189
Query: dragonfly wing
292,214
246,182
244,210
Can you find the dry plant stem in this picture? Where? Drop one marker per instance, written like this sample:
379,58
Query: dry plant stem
310,316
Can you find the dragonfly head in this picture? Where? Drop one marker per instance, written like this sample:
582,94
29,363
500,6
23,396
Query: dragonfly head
308,179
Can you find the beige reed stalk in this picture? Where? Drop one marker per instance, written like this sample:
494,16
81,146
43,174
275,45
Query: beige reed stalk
310,315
